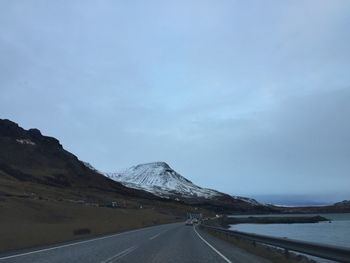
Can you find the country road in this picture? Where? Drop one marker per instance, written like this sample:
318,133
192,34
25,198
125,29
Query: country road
164,243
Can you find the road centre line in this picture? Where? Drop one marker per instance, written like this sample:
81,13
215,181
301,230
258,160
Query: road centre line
119,255
155,236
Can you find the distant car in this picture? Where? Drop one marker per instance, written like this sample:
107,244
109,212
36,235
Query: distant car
194,221
188,222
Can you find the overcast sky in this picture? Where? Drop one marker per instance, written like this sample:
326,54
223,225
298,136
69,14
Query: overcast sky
246,97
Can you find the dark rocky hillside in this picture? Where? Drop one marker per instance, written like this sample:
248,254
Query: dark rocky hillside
28,156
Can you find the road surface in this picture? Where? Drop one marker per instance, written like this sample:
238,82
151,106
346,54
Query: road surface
164,243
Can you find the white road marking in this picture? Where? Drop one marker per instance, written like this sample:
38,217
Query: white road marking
119,255
68,245
166,230
155,236
213,248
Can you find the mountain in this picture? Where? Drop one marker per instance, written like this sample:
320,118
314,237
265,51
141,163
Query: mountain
345,203
47,195
27,156
160,179
38,165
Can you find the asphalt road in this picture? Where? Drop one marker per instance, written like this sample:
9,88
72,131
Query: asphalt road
165,243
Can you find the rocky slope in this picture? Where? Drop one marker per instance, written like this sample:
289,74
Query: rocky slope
27,156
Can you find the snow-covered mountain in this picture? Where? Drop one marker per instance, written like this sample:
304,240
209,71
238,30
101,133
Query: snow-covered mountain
159,179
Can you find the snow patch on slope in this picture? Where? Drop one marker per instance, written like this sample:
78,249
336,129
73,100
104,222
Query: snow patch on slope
159,179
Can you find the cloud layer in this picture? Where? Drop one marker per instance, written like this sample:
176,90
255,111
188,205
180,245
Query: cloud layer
247,97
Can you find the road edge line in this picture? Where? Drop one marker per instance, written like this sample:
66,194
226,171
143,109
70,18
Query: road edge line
213,248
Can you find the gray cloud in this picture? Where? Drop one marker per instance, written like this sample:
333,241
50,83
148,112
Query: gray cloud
250,98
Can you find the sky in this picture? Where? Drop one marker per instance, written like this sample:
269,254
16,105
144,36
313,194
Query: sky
250,97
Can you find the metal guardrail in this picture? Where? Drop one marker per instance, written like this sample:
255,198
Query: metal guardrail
341,254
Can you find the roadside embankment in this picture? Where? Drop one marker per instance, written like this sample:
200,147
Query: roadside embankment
31,223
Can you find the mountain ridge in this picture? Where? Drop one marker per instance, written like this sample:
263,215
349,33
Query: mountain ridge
32,162
30,157
160,179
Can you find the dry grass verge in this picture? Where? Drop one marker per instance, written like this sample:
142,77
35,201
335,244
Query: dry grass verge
26,223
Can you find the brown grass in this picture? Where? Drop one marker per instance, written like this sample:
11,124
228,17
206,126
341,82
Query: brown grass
27,223
36,215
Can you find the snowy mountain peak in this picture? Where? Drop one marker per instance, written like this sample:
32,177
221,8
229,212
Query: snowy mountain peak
160,179
157,173
155,164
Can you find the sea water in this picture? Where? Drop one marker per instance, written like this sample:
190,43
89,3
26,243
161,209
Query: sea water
335,233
